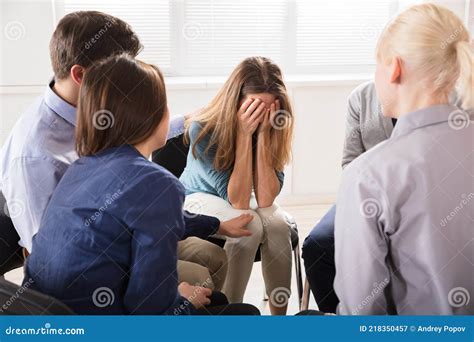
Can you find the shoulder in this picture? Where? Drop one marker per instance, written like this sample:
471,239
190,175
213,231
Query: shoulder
363,89
40,133
153,177
194,129
363,93
382,163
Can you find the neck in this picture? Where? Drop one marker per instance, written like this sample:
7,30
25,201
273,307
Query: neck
145,149
418,99
67,90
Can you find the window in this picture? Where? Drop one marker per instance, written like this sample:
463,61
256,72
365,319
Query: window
151,20
338,34
209,37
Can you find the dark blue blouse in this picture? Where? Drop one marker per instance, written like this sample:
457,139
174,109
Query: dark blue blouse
107,243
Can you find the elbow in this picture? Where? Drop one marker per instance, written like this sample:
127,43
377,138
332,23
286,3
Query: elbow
265,201
241,204
238,200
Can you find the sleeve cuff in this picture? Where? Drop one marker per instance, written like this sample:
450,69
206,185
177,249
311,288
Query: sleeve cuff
176,126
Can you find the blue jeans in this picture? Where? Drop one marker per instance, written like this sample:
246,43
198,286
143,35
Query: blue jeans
318,255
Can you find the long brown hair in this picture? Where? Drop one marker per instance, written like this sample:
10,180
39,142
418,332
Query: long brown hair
254,75
122,101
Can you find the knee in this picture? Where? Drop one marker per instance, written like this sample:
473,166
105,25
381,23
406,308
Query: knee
277,226
318,245
321,238
195,274
218,257
213,256
255,227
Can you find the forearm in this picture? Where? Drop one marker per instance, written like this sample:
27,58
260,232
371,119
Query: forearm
267,185
239,188
200,226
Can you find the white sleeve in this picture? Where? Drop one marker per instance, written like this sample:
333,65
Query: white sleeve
176,126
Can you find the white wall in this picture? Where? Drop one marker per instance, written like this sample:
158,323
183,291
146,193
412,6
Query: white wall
319,101
319,105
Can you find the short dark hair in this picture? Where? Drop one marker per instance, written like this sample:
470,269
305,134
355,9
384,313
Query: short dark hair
122,101
85,37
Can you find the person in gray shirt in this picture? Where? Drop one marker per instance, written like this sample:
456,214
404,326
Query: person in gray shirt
366,126
404,224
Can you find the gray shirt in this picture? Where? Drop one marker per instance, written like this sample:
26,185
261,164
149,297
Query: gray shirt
405,219
366,126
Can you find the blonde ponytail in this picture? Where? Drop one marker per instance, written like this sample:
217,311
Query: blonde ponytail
465,84
433,43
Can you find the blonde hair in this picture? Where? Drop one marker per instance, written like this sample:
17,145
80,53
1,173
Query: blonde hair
433,41
219,119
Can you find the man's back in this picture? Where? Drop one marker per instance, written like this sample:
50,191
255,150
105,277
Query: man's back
33,159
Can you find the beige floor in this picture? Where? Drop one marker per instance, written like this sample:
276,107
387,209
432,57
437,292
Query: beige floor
305,215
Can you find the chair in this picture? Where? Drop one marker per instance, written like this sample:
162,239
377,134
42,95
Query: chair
11,254
173,158
306,294
15,300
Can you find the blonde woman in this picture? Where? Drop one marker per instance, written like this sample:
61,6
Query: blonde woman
240,144
404,212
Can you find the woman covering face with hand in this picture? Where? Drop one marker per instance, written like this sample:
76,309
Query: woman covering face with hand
240,144
108,239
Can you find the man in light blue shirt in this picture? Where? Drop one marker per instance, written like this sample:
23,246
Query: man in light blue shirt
41,147
35,156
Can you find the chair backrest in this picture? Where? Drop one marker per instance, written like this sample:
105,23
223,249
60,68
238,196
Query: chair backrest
16,300
11,255
173,155
3,207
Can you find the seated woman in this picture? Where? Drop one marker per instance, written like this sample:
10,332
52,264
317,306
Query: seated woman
403,227
240,144
108,239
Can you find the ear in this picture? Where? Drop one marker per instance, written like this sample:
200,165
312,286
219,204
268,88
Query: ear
395,70
77,74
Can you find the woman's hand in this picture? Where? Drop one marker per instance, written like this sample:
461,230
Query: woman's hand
269,117
250,115
197,295
236,227
265,181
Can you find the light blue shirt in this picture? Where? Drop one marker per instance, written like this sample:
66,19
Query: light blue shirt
405,219
36,155
200,175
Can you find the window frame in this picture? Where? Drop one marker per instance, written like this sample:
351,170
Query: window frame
178,68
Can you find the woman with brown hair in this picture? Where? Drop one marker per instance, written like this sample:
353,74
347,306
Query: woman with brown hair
108,239
240,144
